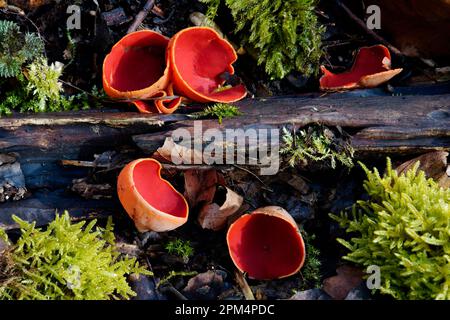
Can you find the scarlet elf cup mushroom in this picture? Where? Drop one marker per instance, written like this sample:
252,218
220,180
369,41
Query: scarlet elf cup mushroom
152,202
266,244
145,64
198,57
136,69
371,68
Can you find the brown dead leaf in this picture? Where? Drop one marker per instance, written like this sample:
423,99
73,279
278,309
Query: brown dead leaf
200,186
347,278
434,164
177,154
214,216
205,286
296,182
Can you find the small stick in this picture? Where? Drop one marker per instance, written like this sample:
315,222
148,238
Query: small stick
78,163
246,290
141,16
363,25
254,175
175,292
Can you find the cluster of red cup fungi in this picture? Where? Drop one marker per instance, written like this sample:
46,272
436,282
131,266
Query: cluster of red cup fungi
265,244
145,64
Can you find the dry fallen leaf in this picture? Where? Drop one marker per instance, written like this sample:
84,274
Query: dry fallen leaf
347,278
200,186
434,164
214,216
177,154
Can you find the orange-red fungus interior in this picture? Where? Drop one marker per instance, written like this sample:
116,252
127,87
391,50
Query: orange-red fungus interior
200,63
136,62
266,247
368,61
157,191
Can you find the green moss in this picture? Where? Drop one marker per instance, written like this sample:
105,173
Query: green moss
173,274
30,83
404,228
17,48
3,235
316,143
39,90
284,34
219,111
311,274
181,248
66,262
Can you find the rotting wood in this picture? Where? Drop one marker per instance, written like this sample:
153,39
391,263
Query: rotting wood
403,124
377,124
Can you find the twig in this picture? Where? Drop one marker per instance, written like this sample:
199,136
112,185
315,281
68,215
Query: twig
363,26
175,292
173,274
79,163
246,290
78,88
254,175
141,16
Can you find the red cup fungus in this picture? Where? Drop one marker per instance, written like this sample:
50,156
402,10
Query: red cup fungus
152,202
136,68
198,57
371,68
266,244
145,64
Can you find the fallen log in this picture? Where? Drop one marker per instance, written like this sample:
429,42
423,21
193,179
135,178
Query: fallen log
391,125
377,125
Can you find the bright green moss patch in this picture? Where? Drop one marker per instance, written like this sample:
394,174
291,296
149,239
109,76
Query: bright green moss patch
28,83
66,262
404,228
219,111
316,143
284,34
181,248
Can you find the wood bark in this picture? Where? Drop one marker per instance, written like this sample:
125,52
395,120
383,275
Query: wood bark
378,125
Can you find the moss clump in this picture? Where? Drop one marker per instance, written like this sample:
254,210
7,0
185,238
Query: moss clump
284,34
180,248
219,111
17,48
316,143
65,262
28,82
404,228
310,272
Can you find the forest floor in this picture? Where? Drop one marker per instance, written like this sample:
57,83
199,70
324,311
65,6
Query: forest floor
309,193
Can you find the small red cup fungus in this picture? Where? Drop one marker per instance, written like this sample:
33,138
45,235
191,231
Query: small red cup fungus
136,68
152,202
198,57
371,68
266,244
